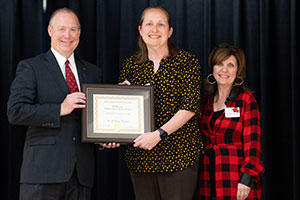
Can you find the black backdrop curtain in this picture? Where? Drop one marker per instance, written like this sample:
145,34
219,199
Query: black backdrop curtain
267,30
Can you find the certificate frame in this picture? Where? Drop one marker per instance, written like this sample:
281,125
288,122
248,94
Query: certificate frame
116,113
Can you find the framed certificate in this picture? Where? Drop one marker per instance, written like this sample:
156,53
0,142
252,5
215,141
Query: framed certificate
116,113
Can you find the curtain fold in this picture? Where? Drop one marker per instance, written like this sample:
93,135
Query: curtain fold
20,37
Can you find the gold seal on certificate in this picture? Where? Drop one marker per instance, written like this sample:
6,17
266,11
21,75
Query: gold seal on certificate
116,113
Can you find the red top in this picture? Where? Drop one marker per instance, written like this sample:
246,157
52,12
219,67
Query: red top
236,143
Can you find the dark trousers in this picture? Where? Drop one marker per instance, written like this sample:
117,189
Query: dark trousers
70,190
179,185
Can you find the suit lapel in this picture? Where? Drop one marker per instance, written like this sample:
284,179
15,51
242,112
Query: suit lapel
81,71
55,72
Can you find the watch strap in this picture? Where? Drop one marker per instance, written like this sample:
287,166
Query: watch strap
162,133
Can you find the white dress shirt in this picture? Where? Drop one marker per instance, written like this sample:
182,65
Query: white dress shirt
61,62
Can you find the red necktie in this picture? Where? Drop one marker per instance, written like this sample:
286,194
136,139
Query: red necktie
70,78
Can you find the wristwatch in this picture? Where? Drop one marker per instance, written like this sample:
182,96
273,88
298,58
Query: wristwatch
162,133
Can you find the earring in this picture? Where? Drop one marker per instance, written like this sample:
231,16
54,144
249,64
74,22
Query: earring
238,81
211,82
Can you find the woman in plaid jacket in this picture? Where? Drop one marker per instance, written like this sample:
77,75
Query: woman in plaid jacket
230,121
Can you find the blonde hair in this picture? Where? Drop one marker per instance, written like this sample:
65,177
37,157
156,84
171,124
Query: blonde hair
62,10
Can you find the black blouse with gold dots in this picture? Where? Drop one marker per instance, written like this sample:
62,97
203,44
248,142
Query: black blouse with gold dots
176,87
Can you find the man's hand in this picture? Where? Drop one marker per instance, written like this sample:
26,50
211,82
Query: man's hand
72,101
109,145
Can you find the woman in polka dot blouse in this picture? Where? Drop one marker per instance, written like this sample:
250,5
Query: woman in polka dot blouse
164,163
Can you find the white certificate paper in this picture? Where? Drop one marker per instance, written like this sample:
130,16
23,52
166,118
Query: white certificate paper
118,114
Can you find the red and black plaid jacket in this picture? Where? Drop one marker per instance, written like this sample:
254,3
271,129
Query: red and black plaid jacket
236,143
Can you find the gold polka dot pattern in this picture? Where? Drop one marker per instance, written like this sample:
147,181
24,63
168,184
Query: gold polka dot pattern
176,87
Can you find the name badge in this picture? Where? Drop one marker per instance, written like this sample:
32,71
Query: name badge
232,112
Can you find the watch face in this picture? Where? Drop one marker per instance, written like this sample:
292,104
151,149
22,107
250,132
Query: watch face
163,134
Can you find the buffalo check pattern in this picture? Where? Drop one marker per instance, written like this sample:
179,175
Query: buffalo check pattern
236,143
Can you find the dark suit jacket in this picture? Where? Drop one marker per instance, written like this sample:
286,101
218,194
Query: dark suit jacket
53,145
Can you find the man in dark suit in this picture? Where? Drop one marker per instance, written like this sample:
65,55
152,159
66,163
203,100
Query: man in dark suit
45,97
